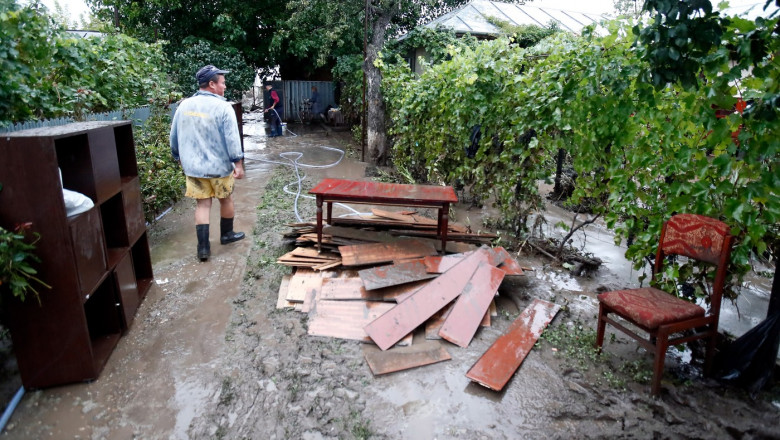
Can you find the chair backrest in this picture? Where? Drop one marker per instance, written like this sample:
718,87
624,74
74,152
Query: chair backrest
701,238
695,236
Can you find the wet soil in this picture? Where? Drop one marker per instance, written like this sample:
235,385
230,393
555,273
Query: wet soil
209,356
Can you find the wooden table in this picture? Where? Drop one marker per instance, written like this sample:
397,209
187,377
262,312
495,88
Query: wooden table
389,194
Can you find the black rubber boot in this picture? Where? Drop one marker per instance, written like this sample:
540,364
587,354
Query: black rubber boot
227,235
204,247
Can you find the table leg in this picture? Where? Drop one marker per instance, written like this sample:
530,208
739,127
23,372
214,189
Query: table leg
444,215
330,213
319,223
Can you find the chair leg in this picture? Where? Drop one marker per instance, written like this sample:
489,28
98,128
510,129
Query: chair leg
661,344
602,325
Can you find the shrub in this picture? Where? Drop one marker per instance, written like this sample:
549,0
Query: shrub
49,73
162,181
16,258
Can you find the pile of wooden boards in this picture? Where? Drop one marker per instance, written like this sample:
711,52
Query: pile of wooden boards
383,290
380,227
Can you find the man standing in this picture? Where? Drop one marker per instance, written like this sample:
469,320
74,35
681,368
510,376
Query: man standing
274,106
316,107
205,140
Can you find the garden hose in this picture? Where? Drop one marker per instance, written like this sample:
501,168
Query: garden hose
292,158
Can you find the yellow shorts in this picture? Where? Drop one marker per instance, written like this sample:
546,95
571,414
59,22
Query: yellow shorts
206,187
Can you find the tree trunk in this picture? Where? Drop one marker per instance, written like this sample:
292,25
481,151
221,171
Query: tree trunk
558,171
376,136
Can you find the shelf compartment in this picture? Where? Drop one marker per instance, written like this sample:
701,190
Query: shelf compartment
103,323
142,265
75,164
134,210
125,150
105,168
114,225
86,233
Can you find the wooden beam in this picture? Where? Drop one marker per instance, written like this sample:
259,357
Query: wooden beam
282,302
394,274
472,305
404,358
374,253
503,358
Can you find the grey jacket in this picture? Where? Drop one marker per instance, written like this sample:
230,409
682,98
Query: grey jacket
204,136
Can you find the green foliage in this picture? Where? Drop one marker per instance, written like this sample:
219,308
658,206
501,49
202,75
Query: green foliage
575,342
162,181
320,31
246,27
359,427
49,73
16,259
641,152
681,34
435,42
195,53
349,72
433,117
524,35
325,30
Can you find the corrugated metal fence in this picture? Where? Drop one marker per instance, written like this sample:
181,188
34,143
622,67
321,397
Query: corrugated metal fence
139,115
298,91
294,93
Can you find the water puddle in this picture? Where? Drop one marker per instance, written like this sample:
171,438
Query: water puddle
190,398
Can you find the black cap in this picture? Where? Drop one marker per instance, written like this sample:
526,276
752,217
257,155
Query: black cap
205,74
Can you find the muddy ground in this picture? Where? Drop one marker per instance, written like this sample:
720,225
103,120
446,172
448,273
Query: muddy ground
210,357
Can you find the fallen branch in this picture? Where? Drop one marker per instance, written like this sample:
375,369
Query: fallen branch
542,251
572,230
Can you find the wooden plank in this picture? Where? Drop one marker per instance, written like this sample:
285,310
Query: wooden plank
393,215
327,266
346,319
415,310
347,288
493,308
312,295
433,325
303,281
382,222
404,291
282,302
427,232
485,319
356,234
394,274
497,365
453,247
437,264
399,359
472,305
508,264
373,253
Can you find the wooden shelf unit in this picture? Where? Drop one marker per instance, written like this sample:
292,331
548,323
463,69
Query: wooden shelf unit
97,262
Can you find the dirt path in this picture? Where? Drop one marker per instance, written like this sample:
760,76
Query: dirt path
209,356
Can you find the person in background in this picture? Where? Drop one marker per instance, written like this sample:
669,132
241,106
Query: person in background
206,141
316,107
274,106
